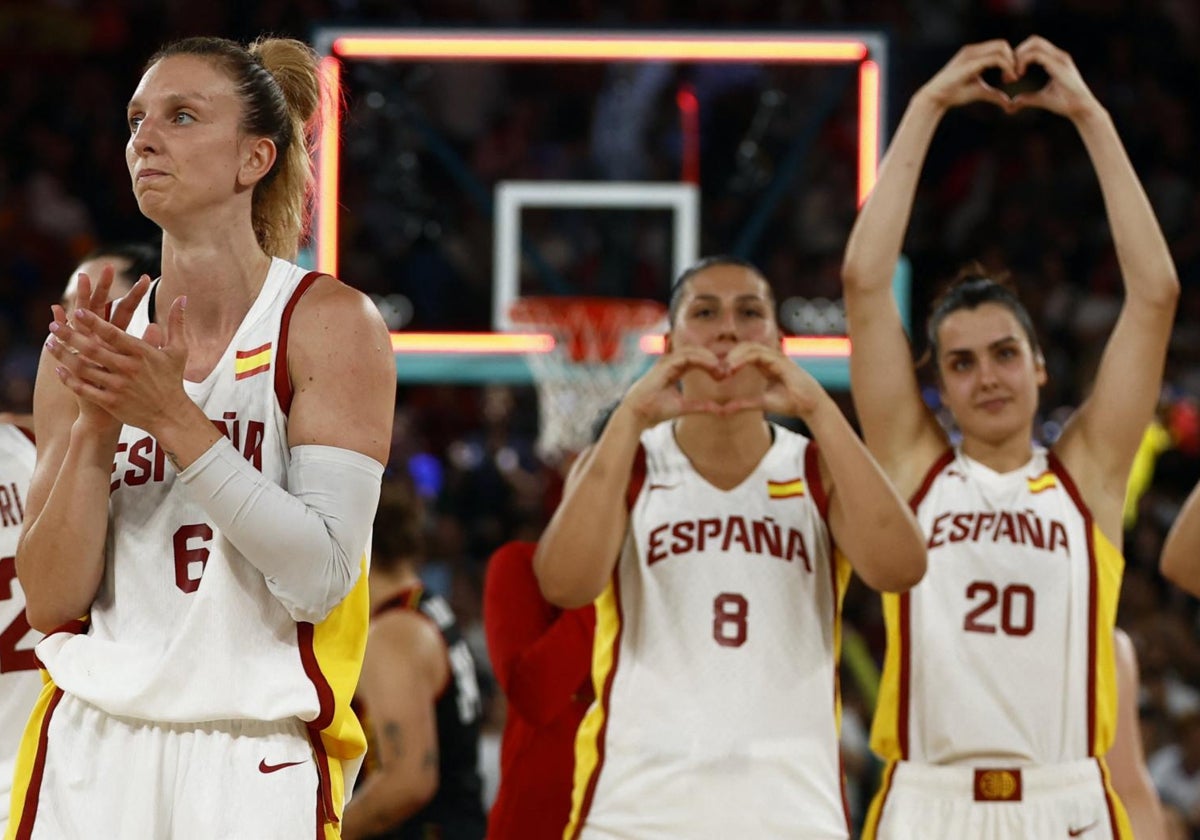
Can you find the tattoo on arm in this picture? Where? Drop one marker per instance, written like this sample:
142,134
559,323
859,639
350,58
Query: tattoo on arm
391,736
431,759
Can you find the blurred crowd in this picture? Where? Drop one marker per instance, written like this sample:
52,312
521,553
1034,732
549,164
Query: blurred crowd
1016,193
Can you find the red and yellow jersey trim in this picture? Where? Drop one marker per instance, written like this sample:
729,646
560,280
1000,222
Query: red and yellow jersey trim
31,763
589,738
890,727
1105,570
283,380
332,654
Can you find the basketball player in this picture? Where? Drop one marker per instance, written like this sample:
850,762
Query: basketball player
1180,561
129,261
418,696
20,682
717,546
542,658
205,484
999,694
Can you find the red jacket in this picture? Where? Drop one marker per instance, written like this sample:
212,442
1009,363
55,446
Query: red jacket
542,659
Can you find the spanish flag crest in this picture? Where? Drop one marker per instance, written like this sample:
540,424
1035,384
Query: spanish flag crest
785,489
247,363
1042,482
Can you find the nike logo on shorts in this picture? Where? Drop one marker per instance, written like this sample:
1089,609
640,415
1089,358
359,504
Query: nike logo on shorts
1075,832
661,487
263,767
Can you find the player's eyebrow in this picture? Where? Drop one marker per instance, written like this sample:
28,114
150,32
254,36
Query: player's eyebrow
966,351
748,297
173,100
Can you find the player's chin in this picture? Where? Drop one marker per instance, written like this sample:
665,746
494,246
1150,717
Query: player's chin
995,431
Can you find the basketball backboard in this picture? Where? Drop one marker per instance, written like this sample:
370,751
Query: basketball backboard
498,355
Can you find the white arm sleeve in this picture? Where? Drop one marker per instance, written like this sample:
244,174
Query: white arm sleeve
307,540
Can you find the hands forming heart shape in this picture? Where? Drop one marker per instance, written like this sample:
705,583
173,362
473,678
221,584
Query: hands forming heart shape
780,386
1034,74
1035,79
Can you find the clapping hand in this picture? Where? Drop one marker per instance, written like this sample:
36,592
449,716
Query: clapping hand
136,381
70,363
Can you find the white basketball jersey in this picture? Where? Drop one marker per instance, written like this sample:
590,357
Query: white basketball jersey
184,628
20,681
715,661
1003,651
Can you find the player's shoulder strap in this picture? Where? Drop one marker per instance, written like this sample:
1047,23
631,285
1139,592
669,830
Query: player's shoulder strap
931,474
637,477
283,380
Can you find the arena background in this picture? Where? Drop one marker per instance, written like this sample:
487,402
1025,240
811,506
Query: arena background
424,145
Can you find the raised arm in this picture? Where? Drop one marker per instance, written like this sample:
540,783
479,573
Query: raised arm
898,428
1180,561
1100,441
870,522
579,548
60,557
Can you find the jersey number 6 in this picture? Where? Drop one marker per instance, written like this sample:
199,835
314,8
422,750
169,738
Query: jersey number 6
190,558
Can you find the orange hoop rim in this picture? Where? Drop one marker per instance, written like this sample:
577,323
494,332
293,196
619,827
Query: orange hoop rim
588,329
564,311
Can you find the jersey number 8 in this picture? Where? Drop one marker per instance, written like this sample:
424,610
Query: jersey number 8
730,611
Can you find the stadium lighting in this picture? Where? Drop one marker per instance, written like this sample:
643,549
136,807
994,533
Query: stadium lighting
592,47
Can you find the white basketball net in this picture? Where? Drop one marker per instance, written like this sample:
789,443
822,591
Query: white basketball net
575,383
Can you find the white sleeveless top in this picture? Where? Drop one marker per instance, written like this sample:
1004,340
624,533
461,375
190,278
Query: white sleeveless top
183,628
1003,651
20,681
715,660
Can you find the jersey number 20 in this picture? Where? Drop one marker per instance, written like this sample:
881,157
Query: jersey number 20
1016,604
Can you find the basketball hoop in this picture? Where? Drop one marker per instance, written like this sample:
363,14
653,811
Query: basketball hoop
596,356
